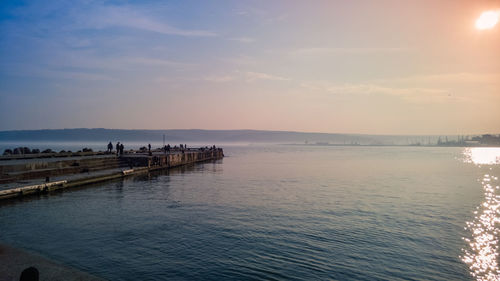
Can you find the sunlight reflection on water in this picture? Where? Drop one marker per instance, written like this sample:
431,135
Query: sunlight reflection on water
482,155
482,252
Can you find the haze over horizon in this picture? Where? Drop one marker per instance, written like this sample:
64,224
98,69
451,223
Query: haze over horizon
354,67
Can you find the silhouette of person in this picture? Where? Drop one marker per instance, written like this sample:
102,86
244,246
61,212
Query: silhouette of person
149,147
121,149
117,148
110,147
29,274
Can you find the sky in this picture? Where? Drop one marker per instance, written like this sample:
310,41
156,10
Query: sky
357,66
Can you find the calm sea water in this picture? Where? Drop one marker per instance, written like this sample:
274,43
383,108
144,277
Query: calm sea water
275,213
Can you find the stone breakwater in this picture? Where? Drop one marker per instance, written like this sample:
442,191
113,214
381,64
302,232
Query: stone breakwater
33,176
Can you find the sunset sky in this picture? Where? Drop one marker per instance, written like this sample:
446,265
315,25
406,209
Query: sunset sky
372,67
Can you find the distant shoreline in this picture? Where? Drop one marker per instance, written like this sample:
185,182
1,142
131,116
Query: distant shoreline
387,145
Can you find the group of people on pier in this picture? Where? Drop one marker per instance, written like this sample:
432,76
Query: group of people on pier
166,148
119,148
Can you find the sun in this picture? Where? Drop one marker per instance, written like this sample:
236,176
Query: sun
487,20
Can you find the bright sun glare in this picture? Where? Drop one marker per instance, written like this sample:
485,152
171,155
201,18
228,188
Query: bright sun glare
488,19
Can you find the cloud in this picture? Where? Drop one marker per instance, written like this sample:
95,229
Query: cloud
76,75
153,62
241,13
253,76
275,19
91,61
436,88
343,51
464,77
242,39
261,16
66,18
26,69
416,95
83,66
219,79
241,60
250,11
113,16
244,76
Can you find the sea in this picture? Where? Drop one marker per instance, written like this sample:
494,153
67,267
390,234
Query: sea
279,212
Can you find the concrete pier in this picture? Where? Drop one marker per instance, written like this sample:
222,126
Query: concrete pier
22,177
13,261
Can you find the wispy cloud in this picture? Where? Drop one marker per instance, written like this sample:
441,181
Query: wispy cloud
76,75
435,88
463,77
242,39
120,16
149,61
261,16
219,79
50,72
253,76
82,66
416,95
241,60
85,60
275,19
244,76
250,11
320,51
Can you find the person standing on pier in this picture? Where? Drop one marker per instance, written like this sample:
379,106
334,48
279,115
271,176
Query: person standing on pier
110,147
121,149
117,148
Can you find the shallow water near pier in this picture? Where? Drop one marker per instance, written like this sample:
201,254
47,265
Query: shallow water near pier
270,213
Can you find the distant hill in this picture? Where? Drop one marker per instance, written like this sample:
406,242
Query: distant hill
211,136
170,135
